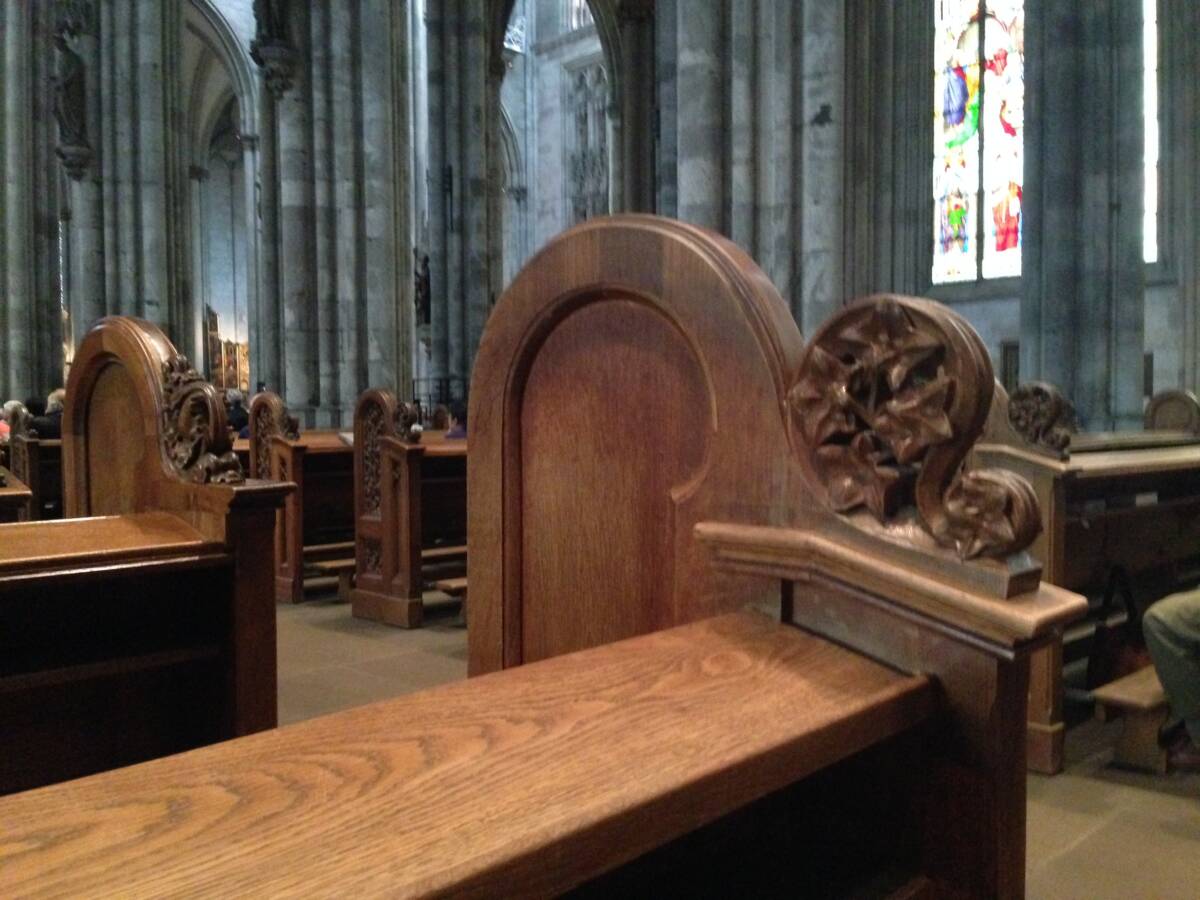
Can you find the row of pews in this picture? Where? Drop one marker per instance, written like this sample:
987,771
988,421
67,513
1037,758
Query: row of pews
632,724
381,510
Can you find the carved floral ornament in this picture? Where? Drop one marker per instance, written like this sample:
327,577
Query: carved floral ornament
1040,414
195,434
890,396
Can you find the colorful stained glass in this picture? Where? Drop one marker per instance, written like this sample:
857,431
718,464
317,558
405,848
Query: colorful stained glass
978,158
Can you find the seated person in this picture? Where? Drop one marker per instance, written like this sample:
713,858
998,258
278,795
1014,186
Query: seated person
1172,629
458,421
440,420
6,414
239,418
49,425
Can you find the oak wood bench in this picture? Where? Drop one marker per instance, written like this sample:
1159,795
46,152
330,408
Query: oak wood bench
1119,508
317,519
15,497
37,462
628,730
142,624
410,496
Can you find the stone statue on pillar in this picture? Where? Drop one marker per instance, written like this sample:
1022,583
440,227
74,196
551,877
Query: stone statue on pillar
70,93
271,48
421,293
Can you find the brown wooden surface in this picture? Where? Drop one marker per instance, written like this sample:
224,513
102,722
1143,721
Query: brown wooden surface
143,625
1137,509
320,509
581,763
581,531
38,463
15,497
1139,690
410,500
28,546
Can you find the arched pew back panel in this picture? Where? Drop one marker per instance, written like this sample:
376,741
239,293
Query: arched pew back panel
628,385
137,419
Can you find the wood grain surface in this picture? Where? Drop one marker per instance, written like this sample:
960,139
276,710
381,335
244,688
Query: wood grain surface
520,783
32,545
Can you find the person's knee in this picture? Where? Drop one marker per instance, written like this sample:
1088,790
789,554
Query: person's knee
1154,624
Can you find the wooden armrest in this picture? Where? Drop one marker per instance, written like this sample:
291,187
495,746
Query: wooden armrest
536,778
67,543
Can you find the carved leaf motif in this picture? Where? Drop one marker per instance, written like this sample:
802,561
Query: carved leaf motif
887,402
990,512
372,433
859,475
890,343
822,398
915,420
193,428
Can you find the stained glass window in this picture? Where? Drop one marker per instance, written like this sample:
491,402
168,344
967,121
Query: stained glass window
978,148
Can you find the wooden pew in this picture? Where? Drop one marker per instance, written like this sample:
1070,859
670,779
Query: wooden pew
144,623
1173,411
410,498
317,519
15,497
1116,509
37,462
677,747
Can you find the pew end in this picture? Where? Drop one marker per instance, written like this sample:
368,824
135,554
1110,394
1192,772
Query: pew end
142,624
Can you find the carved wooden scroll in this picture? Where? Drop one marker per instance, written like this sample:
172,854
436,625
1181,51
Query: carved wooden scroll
269,418
195,429
890,396
1173,411
1038,412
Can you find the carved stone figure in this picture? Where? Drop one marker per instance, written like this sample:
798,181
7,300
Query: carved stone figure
422,297
890,396
271,48
70,106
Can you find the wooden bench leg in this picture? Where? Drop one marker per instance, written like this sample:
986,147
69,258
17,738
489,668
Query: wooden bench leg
1137,747
345,583
401,612
461,621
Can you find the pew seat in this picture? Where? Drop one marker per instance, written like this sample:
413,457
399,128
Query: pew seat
531,780
15,497
1139,700
342,570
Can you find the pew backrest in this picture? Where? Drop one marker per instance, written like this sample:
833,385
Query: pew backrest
138,419
586,479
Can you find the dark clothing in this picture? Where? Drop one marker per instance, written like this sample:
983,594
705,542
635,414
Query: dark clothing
457,433
238,418
49,426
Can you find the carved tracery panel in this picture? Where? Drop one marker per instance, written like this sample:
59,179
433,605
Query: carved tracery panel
891,394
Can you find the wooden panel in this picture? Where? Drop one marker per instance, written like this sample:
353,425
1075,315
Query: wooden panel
683,422
115,446
581,762
15,497
28,545
598,512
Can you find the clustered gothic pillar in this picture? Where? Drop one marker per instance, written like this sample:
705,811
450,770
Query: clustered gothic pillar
31,200
336,277
460,235
751,122
1082,307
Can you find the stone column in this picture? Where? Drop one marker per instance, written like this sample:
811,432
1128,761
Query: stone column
1179,246
299,258
17,323
635,102
702,184
266,343
1082,305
